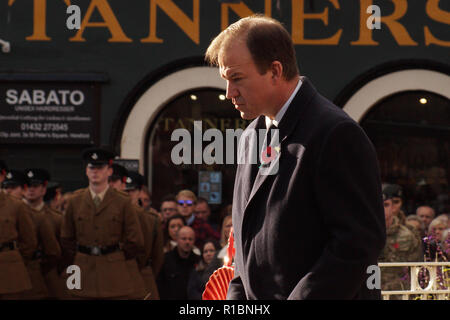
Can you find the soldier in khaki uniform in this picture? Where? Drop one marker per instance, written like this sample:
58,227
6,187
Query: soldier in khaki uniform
101,230
117,182
395,193
48,248
401,246
34,197
152,259
18,242
15,183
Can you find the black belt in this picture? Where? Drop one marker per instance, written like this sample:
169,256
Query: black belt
98,250
8,245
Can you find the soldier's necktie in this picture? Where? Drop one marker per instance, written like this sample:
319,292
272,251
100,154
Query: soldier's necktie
97,201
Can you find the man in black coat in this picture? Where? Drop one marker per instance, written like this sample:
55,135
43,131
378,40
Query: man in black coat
178,264
308,218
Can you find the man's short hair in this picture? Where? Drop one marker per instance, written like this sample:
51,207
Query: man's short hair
168,198
202,200
266,39
428,207
188,194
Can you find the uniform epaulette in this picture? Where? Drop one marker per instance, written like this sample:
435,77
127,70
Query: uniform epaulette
78,191
54,210
122,193
152,213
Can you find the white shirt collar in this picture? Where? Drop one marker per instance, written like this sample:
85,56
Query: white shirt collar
284,108
101,195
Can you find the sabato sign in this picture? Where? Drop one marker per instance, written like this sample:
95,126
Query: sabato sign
392,16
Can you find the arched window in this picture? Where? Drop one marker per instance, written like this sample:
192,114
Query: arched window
411,133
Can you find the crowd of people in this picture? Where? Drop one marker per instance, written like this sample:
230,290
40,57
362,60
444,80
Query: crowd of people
420,236
178,251
179,247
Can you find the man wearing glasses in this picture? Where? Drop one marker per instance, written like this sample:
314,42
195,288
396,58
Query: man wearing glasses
169,207
186,201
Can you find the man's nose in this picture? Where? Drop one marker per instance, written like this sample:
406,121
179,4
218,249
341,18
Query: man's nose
231,91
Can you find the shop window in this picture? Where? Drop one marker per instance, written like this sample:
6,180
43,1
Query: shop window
215,112
411,133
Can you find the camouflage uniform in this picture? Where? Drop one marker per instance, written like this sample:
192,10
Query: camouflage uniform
401,246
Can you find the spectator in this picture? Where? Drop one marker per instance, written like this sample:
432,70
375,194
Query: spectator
186,200
171,228
434,247
445,240
416,225
436,228
178,265
168,208
203,211
174,223
426,214
225,234
145,197
444,219
395,192
200,276
226,211
401,246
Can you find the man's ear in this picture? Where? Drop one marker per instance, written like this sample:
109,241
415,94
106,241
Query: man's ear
277,70
110,171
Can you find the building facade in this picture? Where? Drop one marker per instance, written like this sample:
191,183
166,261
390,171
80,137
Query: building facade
127,74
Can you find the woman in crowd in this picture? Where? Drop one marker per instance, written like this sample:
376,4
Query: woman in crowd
225,234
174,223
200,276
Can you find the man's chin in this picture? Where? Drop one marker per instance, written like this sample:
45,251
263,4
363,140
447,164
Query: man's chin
247,116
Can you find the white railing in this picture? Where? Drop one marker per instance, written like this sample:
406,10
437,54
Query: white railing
432,288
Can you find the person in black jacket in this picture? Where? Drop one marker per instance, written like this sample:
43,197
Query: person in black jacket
308,215
200,275
178,264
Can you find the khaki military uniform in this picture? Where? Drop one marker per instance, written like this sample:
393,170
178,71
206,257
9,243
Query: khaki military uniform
114,222
16,225
46,256
151,260
401,246
401,217
56,283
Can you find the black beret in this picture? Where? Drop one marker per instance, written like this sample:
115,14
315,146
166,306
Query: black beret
37,175
98,156
119,172
134,181
51,191
15,178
